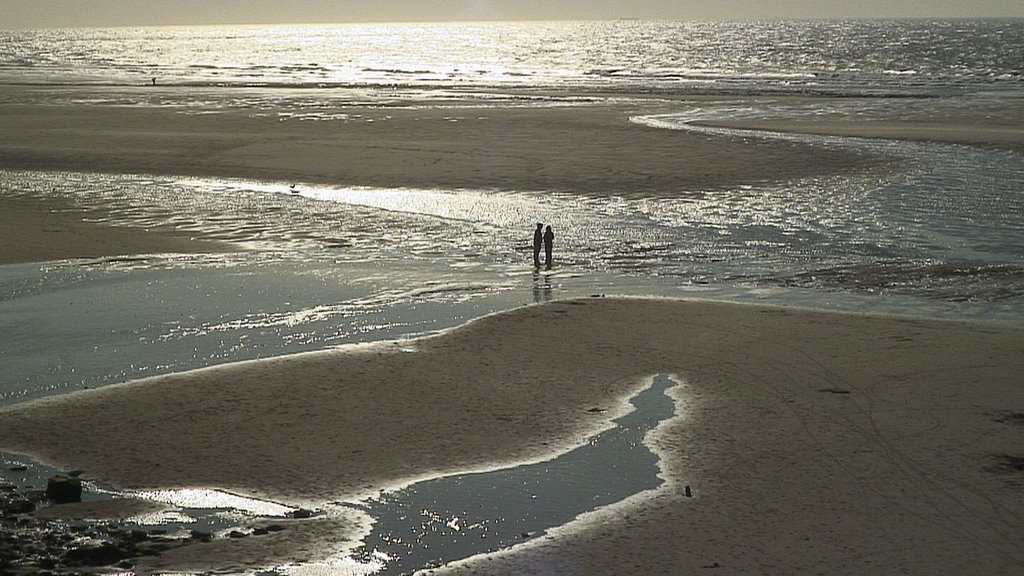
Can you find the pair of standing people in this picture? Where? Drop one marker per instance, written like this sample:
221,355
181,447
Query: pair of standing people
545,238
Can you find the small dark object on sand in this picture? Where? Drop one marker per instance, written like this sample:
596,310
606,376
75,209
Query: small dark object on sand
64,489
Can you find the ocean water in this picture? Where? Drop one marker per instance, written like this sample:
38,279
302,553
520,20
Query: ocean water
941,235
898,57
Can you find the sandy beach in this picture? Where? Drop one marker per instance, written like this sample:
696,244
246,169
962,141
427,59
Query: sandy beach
578,148
813,442
583,148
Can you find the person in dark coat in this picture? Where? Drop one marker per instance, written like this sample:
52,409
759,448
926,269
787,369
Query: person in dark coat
538,238
549,240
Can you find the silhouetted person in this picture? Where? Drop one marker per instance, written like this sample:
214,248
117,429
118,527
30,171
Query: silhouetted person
549,240
538,238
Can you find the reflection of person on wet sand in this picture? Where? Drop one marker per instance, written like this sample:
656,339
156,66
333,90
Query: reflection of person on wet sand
538,238
549,240
541,288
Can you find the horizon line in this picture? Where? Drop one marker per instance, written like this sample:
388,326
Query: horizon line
508,21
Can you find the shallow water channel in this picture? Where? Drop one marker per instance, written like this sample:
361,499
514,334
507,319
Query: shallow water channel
432,522
437,521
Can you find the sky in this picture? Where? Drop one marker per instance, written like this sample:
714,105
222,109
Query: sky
68,13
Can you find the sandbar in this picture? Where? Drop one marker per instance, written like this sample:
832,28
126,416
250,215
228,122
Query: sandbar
988,122
576,148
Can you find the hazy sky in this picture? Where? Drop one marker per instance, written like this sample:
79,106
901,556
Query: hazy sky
61,13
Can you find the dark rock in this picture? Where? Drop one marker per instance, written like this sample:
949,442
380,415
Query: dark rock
62,489
162,544
260,531
18,468
1010,418
236,534
275,527
102,555
1008,463
301,513
19,506
201,536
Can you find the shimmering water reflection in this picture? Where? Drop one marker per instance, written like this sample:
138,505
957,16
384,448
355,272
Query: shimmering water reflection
76,325
180,510
441,520
435,521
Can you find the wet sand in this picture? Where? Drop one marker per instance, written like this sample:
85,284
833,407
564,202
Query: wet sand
812,442
43,229
585,149
985,122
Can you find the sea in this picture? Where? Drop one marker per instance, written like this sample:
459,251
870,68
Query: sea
940,233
